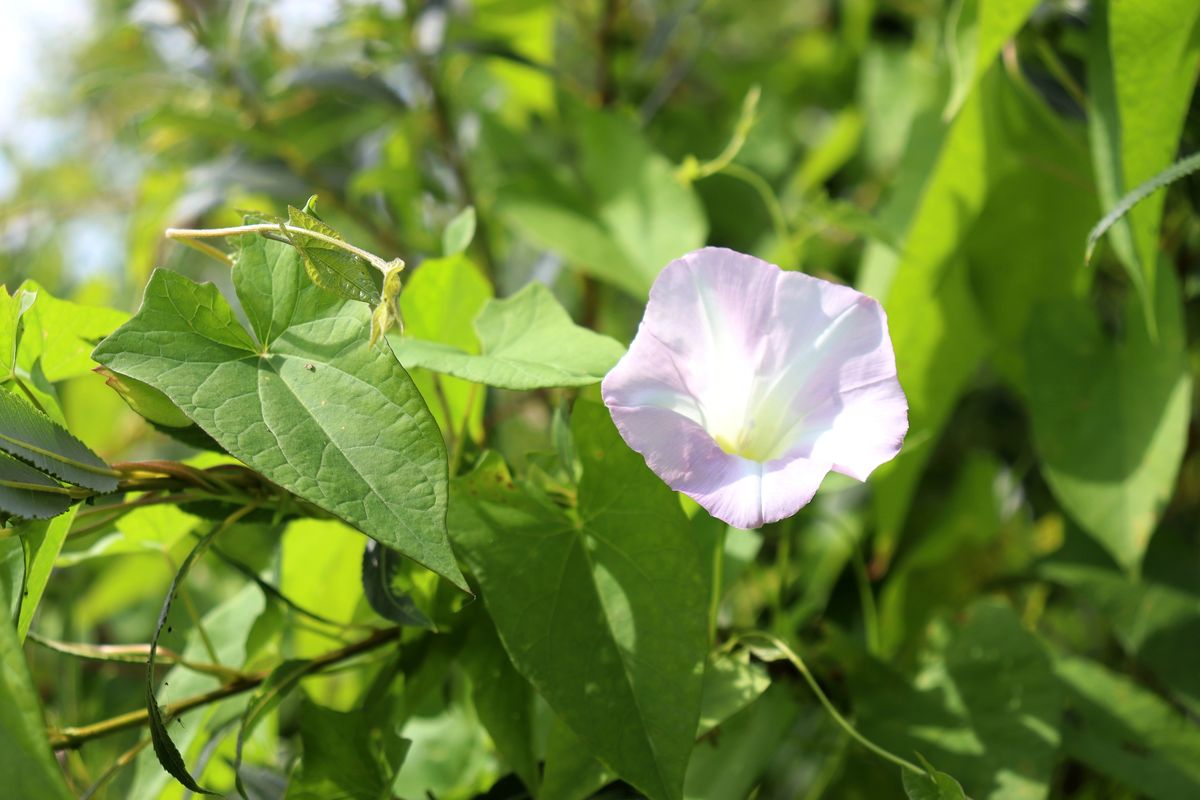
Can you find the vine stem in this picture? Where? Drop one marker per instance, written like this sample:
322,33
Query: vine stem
271,227
836,715
69,738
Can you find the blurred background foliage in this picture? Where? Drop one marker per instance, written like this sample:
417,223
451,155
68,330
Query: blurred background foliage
1017,596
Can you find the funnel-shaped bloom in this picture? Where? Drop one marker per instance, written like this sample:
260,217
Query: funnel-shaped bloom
746,385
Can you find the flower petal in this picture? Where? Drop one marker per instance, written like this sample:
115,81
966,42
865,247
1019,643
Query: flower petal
744,493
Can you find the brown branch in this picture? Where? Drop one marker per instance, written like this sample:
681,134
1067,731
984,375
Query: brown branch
69,738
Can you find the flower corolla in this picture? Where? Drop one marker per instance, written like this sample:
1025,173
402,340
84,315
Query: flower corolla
745,385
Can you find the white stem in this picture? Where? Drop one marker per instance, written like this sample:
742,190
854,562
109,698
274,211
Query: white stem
268,227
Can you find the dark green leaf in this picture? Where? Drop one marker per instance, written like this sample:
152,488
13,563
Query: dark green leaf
572,596
1120,729
29,503
380,565
314,409
503,700
34,437
528,342
26,763
989,714
168,755
338,759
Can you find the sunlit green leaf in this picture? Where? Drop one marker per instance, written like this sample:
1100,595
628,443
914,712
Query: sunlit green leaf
1110,415
528,342
313,408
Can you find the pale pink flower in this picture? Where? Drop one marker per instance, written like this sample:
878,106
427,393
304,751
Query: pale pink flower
746,385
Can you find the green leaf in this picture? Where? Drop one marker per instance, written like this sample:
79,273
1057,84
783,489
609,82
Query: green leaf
1155,49
459,232
60,334
981,28
29,503
12,575
1120,729
651,215
314,409
576,237
1110,417
330,267
528,342
571,772
43,542
282,680
337,759
992,235
1180,169
612,593
147,401
380,565
30,435
731,683
1148,618
933,785
439,302
988,708
503,700
26,763
637,215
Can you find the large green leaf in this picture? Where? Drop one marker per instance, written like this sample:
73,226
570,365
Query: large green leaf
1154,47
987,710
503,700
1000,225
731,684
313,407
603,611
1110,416
28,768
1120,729
528,342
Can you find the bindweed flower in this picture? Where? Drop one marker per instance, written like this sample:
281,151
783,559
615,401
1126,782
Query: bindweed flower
746,385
